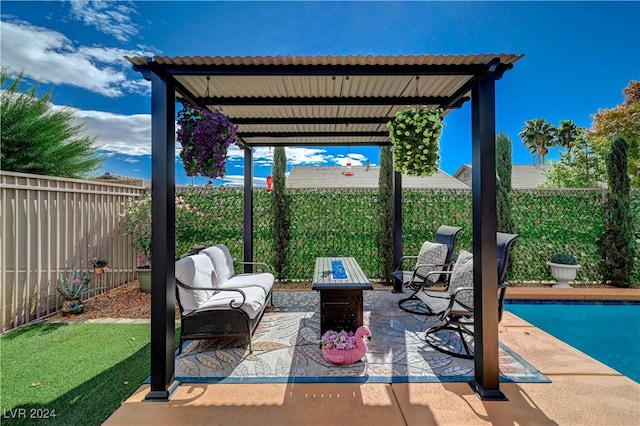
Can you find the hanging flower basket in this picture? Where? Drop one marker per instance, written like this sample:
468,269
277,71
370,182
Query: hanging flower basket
415,135
205,137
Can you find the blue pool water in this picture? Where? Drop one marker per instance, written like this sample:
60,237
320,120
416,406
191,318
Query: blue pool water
609,333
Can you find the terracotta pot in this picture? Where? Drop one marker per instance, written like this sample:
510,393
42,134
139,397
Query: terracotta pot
98,271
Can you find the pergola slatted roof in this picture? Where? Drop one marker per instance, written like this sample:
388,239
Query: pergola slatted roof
281,100
323,100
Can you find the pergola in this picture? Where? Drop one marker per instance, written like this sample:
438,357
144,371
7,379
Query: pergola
323,101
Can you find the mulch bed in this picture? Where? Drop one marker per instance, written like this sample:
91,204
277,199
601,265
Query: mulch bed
130,302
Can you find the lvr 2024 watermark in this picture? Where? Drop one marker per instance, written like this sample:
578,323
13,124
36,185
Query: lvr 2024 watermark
30,413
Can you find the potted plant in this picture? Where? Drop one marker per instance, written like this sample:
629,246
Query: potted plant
71,285
343,348
564,268
99,265
415,135
136,218
144,273
205,137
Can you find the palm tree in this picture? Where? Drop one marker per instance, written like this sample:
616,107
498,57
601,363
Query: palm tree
566,134
538,136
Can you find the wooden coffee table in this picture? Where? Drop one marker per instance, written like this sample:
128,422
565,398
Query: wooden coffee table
340,282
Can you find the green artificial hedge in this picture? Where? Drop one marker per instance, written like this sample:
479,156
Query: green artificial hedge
346,222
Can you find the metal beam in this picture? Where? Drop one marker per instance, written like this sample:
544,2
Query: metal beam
163,284
308,120
485,272
397,227
328,70
248,208
324,134
324,100
298,142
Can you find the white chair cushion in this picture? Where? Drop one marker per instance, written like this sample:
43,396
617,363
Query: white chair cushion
432,254
462,276
263,280
222,263
194,271
252,306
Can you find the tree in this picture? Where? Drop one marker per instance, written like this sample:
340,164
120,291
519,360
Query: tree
280,210
622,121
39,138
503,170
565,135
537,135
617,245
583,167
385,197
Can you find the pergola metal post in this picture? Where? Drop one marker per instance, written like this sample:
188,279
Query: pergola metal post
485,275
397,227
248,208
163,210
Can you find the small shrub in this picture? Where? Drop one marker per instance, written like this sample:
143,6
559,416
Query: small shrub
564,259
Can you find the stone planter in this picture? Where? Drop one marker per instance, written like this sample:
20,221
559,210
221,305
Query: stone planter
563,273
144,278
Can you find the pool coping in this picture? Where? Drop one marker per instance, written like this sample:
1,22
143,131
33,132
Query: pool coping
576,293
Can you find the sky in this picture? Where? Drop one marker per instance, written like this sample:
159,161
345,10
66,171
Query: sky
579,56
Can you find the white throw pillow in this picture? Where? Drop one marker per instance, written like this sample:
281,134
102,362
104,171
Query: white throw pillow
432,254
194,271
462,276
222,264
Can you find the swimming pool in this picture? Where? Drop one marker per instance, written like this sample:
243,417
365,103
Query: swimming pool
606,331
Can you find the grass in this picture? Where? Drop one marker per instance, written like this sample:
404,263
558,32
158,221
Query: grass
79,372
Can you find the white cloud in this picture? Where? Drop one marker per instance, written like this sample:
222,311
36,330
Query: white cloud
51,57
123,134
130,135
108,17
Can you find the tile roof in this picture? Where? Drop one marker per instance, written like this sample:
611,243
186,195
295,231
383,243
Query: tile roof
363,177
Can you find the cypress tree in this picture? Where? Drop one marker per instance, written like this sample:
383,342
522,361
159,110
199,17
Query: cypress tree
503,170
617,245
280,209
385,197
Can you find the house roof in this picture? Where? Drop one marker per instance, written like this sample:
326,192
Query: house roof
527,176
363,177
523,176
322,100
127,180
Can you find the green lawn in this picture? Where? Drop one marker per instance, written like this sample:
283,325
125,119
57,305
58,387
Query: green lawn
71,373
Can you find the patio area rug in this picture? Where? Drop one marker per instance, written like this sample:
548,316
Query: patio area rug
286,349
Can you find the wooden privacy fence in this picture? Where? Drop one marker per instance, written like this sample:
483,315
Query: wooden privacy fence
49,225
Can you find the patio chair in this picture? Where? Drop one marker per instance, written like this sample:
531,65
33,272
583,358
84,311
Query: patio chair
434,256
455,306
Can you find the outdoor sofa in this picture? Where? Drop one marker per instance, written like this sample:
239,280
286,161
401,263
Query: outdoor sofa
215,301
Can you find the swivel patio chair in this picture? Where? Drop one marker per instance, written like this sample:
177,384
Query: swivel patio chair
434,256
455,306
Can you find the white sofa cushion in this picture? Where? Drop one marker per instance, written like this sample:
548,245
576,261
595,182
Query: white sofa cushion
194,271
431,254
222,263
255,300
263,280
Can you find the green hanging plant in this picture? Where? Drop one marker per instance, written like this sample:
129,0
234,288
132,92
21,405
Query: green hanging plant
415,135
